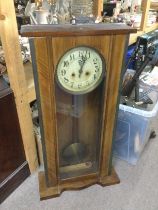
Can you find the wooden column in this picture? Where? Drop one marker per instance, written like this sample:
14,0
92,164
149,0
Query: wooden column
98,7
10,42
145,12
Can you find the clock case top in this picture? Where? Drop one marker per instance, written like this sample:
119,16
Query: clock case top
48,44
75,30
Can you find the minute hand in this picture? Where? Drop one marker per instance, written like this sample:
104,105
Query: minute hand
81,63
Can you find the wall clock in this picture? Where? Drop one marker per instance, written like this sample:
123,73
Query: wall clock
77,71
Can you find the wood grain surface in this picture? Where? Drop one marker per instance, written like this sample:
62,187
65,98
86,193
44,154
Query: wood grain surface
45,72
75,30
77,184
119,43
10,42
48,51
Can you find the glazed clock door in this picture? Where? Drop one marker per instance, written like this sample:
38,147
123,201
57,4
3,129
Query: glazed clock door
80,78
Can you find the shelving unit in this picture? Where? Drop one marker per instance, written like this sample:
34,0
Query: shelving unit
21,77
19,84
154,5
133,37
146,6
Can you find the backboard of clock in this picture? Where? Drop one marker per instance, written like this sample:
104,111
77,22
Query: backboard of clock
77,71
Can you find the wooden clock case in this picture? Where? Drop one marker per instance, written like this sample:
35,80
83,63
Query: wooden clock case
48,44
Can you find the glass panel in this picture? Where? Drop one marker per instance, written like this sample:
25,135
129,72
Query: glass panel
79,119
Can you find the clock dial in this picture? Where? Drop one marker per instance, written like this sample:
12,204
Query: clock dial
80,70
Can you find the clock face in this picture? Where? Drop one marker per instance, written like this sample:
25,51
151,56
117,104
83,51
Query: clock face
80,70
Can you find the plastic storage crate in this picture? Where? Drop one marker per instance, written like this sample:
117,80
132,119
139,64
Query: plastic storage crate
133,130
134,126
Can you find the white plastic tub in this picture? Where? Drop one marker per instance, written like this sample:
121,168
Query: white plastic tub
134,126
133,130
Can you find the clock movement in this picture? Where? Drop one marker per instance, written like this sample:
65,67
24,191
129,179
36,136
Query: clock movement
77,71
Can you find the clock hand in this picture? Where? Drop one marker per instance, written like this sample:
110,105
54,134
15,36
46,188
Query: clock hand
81,63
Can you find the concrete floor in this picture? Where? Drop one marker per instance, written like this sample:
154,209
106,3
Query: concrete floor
138,189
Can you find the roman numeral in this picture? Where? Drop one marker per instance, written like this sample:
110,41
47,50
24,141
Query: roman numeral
80,54
66,63
85,54
72,84
63,72
66,80
95,61
88,54
79,86
96,68
72,57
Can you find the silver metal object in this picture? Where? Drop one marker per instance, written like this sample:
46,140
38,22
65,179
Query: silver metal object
82,7
33,18
42,16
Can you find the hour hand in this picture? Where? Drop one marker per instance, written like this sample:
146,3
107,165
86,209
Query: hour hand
81,63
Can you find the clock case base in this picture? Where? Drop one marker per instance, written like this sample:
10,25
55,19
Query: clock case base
78,184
